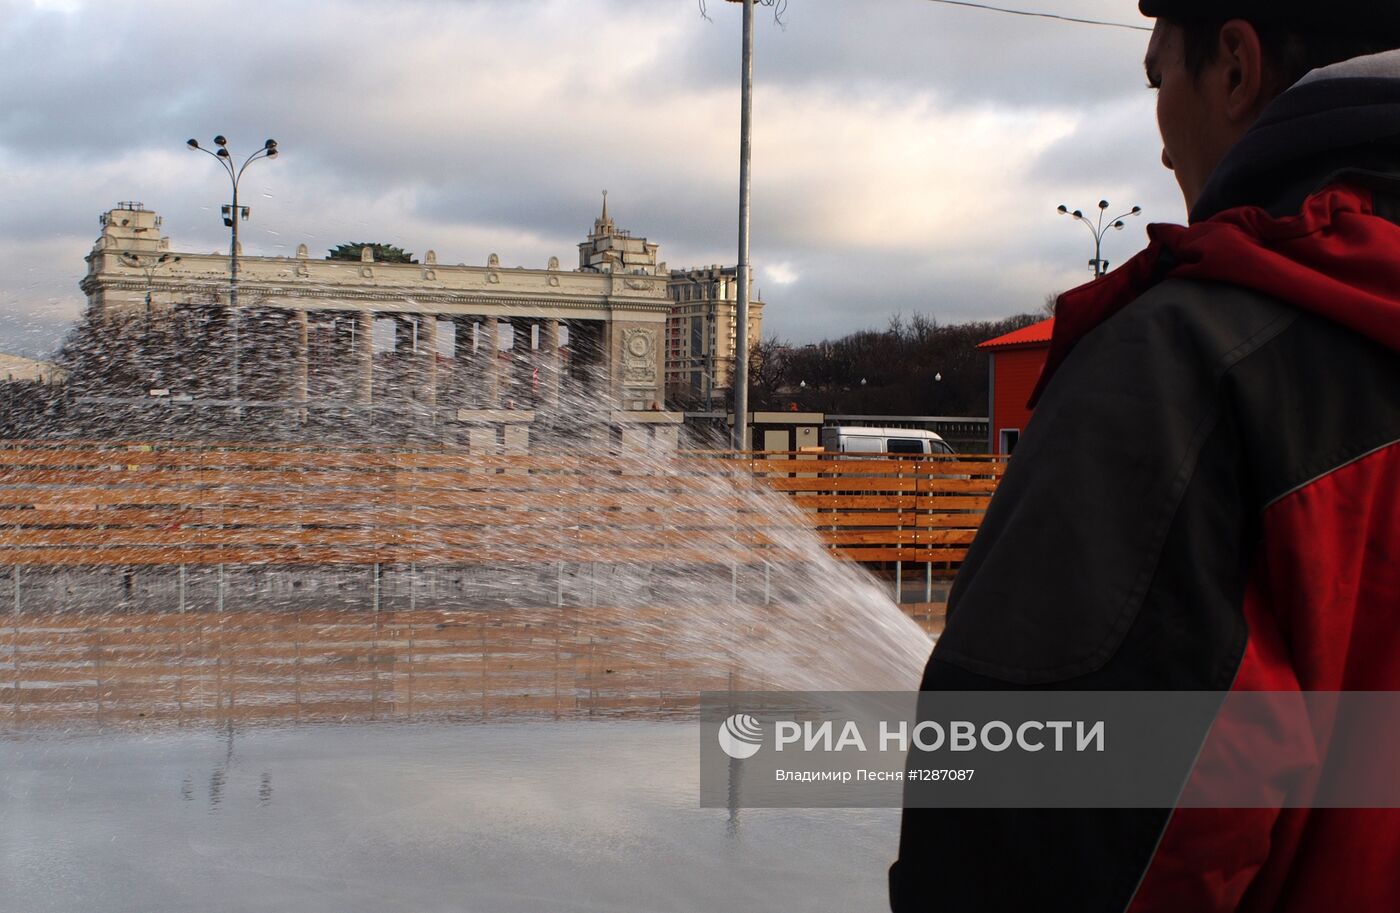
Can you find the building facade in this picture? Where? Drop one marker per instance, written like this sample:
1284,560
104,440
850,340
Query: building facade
463,337
702,335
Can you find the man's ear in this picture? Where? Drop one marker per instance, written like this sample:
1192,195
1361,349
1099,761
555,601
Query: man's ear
1241,54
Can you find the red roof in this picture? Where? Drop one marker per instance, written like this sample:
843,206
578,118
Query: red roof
1035,334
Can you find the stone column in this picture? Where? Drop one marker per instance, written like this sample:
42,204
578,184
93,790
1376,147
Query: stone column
457,381
301,366
489,353
427,358
586,357
362,357
406,368
549,362
520,382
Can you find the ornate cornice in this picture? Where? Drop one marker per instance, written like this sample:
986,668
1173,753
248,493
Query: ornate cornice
385,295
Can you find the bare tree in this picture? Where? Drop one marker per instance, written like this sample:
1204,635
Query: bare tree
767,373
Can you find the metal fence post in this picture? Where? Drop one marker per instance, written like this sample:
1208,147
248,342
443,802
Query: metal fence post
14,646
899,527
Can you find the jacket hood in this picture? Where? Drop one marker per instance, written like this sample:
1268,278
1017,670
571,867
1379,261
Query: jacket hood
1337,120
1336,257
1290,212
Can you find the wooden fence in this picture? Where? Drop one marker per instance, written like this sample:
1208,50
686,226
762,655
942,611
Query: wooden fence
74,504
73,509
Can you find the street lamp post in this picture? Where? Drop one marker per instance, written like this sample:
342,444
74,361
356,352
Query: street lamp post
701,364
149,265
1099,265
232,215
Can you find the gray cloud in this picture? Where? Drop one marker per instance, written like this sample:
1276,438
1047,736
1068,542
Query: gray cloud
903,46
908,155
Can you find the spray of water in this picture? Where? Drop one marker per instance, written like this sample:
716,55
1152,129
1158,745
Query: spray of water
775,605
657,555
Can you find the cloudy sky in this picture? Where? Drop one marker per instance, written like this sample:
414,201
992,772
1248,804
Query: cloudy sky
908,155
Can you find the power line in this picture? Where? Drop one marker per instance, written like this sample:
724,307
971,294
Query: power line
1056,16
779,7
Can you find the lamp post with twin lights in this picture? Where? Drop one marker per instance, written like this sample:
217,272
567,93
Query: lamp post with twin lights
233,213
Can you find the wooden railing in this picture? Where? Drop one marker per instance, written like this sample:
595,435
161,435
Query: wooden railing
882,508
145,509
101,504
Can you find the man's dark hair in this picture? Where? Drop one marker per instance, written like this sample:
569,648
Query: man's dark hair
1289,53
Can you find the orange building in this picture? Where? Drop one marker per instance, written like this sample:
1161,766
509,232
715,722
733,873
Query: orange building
1014,366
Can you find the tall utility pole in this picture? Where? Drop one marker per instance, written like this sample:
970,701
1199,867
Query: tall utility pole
232,215
740,437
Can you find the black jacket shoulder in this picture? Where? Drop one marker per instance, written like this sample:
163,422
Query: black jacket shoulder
1075,534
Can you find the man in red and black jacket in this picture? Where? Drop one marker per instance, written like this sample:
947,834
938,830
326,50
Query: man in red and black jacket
1208,495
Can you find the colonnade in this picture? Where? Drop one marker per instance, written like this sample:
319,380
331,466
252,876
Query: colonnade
492,362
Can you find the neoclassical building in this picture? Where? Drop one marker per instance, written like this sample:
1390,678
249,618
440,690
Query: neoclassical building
452,337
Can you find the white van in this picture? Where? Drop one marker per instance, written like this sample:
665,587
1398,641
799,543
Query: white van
851,439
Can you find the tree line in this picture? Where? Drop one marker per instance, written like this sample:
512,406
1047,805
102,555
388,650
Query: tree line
914,366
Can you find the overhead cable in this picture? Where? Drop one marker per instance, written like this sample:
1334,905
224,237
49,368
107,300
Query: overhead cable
1056,16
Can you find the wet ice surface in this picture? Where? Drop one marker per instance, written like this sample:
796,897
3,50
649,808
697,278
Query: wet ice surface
525,816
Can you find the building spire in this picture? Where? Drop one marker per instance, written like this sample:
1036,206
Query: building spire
603,226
